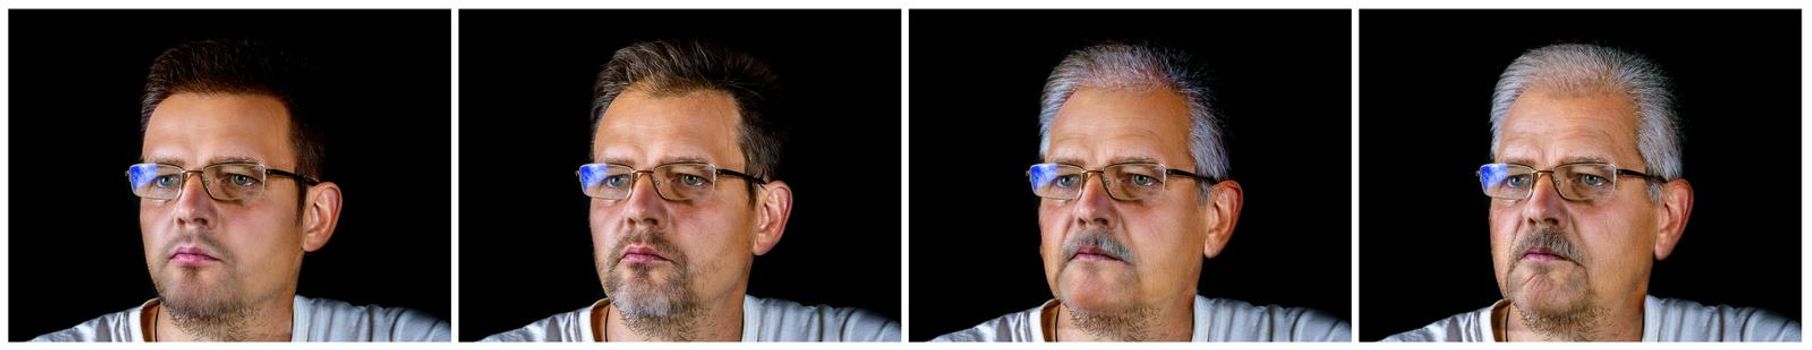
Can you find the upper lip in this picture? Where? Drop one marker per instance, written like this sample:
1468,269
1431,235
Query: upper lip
1094,250
192,249
643,250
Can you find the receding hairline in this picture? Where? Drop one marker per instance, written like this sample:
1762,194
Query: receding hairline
640,88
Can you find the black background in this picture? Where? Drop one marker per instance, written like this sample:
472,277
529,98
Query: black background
1425,92
525,95
1282,82
77,76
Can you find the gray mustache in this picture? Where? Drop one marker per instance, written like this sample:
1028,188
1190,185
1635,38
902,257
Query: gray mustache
1552,239
1098,239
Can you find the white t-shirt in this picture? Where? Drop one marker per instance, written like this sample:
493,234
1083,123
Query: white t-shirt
763,319
1670,320
314,320
1216,320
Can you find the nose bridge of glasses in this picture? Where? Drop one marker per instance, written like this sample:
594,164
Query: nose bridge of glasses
183,183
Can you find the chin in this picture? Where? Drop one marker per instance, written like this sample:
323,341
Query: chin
1092,293
1544,297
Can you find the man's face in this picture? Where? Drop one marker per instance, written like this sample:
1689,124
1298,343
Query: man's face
658,257
1108,256
206,256
1556,257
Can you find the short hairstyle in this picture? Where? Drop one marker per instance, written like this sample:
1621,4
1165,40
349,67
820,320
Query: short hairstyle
239,67
1580,68
671,68
1130,66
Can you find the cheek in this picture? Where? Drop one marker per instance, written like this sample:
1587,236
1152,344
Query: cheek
721,236
1051,230
1504,223
1166,240
269,237
598,217
1617,243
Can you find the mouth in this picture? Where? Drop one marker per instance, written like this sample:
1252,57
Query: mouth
192,256
1543,255
642,254
1093,254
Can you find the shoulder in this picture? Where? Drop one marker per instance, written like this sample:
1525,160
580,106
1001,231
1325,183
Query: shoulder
1686,320
1013,327
784,320
335,320
113,327
568,326
1465,326
1234,320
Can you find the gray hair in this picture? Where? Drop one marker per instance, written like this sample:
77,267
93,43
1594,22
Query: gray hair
1126,66
1577,67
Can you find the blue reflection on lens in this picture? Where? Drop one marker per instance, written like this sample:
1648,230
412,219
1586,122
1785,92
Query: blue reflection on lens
1042,174
590,174
1492,174
142,174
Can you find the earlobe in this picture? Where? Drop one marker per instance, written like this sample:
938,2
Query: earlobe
321,213
1675,210
774,208
1222,214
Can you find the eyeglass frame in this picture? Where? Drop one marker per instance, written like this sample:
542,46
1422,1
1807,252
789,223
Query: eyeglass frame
1101,173
1619,171
207,186
634,174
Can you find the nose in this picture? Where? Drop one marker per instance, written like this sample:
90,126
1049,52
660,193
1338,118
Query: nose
194,207
1094,206
1545,206
644,205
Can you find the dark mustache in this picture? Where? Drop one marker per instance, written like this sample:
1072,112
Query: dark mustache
1552,239
1098,238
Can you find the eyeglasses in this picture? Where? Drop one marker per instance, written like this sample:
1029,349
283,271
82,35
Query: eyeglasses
674,182
1575,182
1127,182
224,182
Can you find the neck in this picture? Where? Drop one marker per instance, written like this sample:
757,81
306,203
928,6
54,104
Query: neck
1174,321
270,321
1595,323
718,321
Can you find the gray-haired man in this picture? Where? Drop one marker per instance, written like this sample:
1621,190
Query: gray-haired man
1573,255
1123,253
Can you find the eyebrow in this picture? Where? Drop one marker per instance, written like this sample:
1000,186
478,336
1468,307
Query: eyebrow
1563,161
664,161
216,160
1110,161
1133,159
1584,159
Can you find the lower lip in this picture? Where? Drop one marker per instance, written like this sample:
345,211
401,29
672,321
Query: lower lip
1538,257
192,259
642,258
1094,257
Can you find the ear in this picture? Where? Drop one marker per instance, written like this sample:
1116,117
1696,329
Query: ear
320,214
1224,203
775,206
1676,208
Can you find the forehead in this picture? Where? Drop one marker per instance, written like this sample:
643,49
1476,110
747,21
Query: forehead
1100,126
190,129
641,129
1546,129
